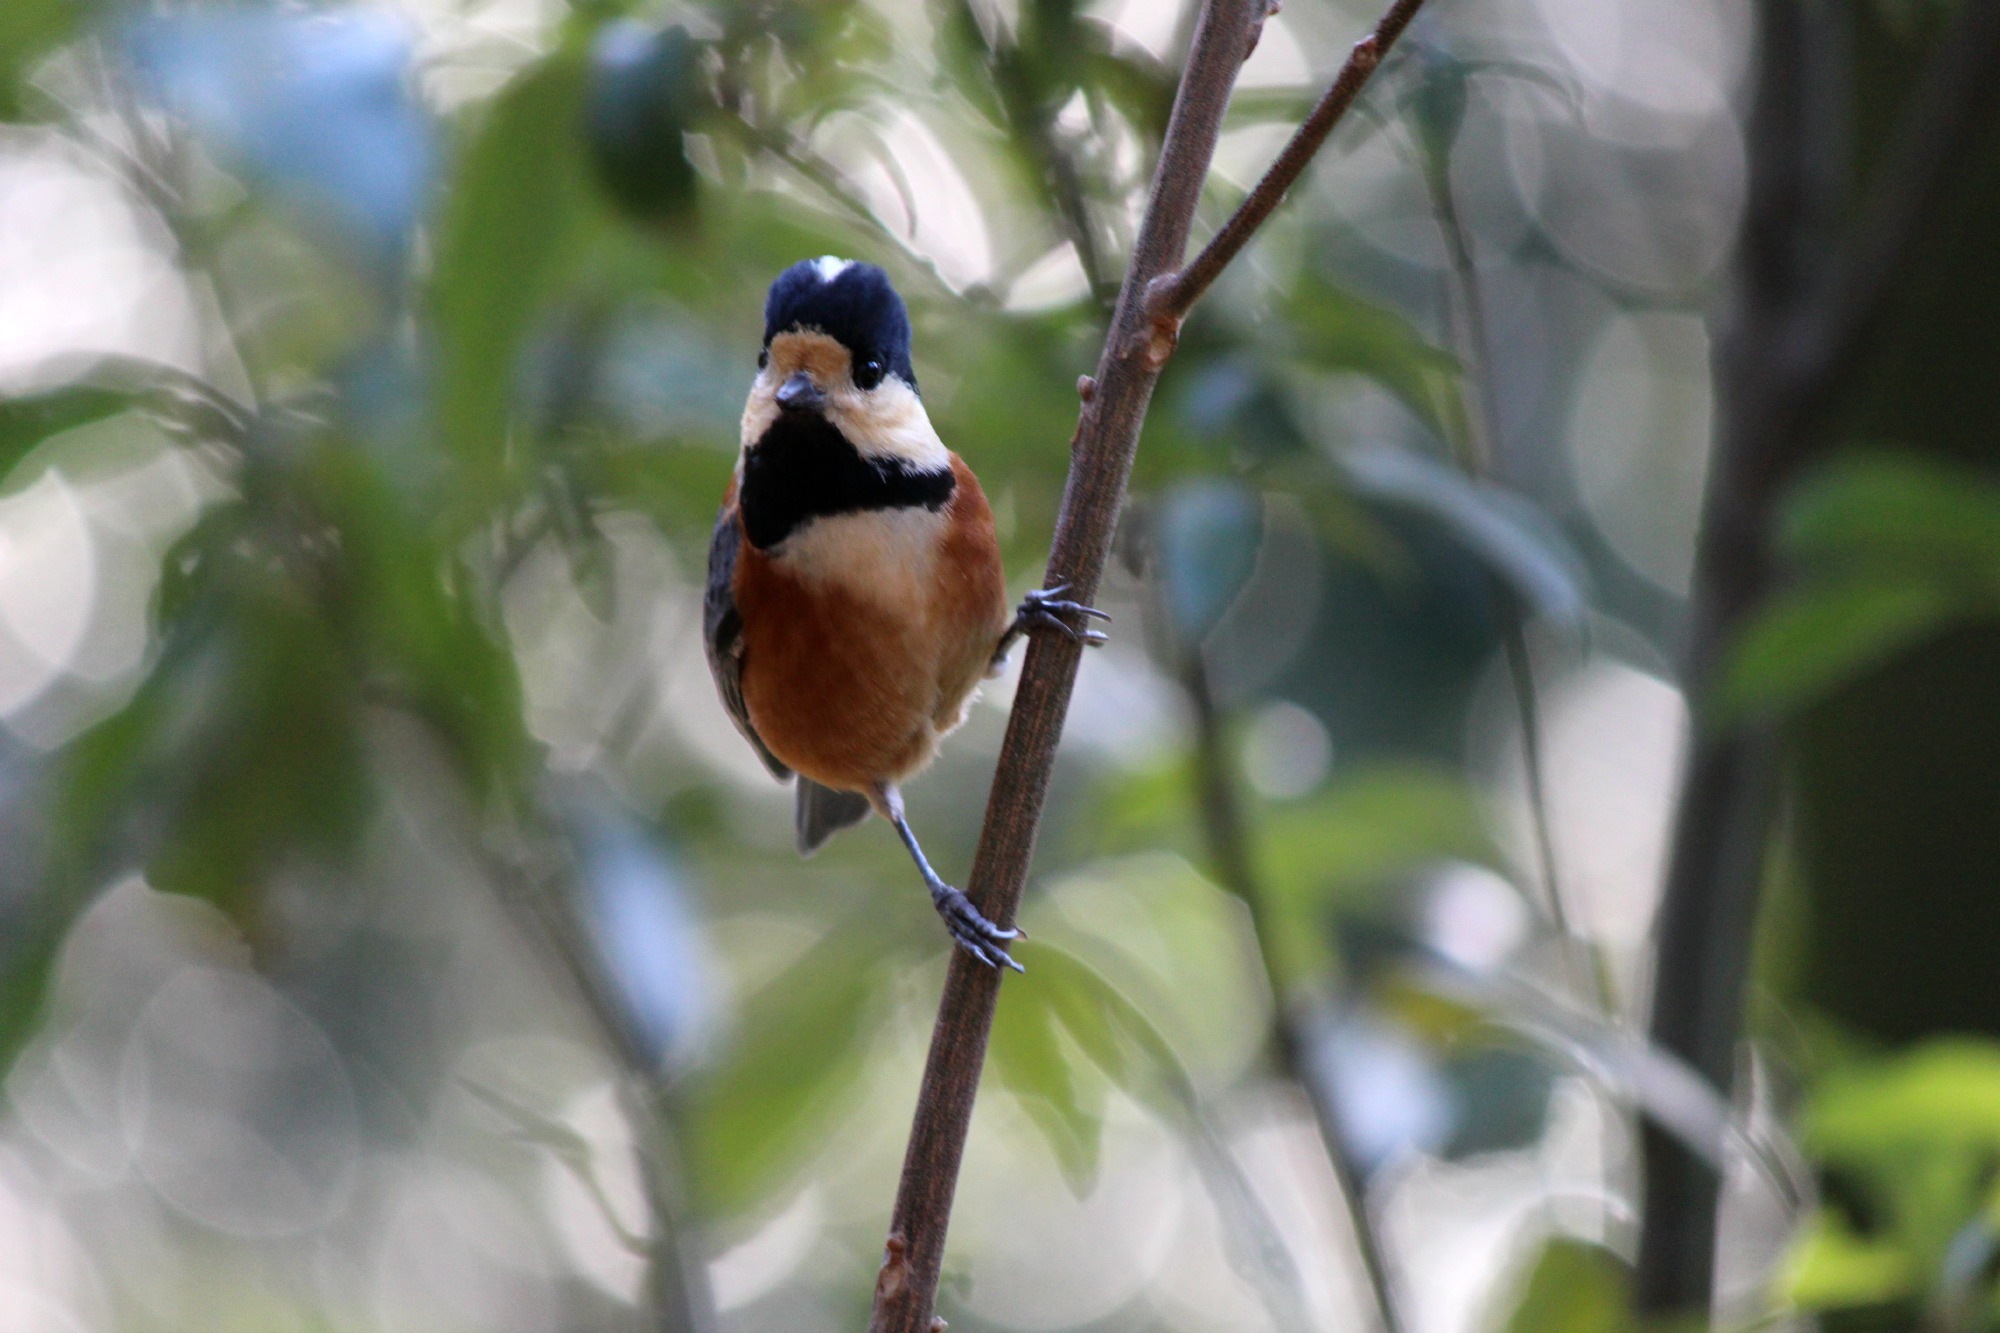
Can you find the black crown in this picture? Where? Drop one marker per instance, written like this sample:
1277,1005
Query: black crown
856,307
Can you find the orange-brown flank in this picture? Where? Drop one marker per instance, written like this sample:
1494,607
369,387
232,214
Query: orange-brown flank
850,689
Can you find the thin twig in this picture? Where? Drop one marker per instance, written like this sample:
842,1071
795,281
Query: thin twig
1482,461
1229,848
529,879
1797,339
1034,125
1177,294
1467,310
834,187
1066,183
1103,448
1255,1246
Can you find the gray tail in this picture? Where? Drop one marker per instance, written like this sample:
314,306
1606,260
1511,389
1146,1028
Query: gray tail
822,812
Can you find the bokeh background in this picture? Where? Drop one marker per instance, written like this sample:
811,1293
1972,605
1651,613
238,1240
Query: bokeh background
397,935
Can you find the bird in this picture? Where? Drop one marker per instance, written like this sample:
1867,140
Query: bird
855,597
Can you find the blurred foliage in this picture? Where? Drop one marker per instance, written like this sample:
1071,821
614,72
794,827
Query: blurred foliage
1907,1221
1574,1288
425,476
760,1119
1076,1009
28,32
1889,550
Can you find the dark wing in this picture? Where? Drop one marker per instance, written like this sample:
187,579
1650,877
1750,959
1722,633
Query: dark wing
722,634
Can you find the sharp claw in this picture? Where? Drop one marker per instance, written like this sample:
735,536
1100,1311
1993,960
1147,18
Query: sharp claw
1047,607
972,932
1056,623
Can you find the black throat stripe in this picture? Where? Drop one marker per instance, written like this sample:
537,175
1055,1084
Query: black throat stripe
804,468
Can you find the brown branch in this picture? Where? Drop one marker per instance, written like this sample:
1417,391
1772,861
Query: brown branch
1106,440
1102,451
1177,293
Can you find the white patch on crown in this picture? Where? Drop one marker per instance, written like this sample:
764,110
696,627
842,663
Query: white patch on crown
831,266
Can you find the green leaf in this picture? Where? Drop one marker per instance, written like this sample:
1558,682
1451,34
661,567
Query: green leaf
1575,1287
1916,1135
513,203
1031,1061
1332,329
1897,507
422,633
1152,928
267,766
1810,642
1146,809
29,31
1831,1267
1137,84
238,755
1947,1092
1352,840
766,1112
1071,1006
1513,537
1501,1098
1894,548
1111,1030
28,420
645,94
1437,101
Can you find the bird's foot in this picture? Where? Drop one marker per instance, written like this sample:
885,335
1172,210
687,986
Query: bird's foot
1047,608
971,930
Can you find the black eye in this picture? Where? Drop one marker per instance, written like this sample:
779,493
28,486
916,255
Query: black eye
763,358
868,373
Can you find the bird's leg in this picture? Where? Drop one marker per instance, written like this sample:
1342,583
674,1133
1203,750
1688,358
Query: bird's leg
1046,608
968,926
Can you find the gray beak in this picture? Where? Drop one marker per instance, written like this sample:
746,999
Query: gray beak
800,394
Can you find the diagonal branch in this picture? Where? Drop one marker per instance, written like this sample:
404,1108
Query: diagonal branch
1176,296
1102,451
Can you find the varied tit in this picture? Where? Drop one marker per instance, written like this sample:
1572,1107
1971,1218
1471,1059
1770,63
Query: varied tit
855,595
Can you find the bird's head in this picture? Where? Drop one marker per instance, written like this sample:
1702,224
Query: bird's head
837,347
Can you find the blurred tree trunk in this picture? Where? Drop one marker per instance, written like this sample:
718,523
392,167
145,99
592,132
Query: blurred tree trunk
1893,785
1897,780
